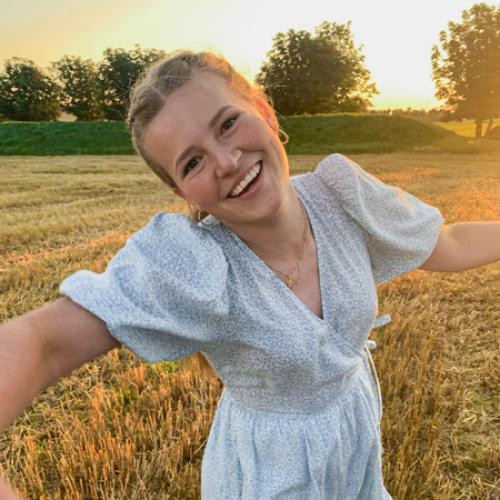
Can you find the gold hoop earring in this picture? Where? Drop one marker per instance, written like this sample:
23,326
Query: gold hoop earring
201,219
283,136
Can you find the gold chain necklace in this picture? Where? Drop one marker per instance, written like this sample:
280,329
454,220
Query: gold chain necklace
289,277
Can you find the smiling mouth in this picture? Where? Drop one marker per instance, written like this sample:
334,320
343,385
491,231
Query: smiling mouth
247,182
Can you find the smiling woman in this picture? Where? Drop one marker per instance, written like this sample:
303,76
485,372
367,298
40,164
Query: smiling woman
210,88
275,287
225,141
164,78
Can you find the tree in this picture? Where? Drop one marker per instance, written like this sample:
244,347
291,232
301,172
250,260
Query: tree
118,71
466,69
316,73
27,93
80,87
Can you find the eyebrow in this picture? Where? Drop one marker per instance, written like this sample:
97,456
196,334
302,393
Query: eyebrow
211,125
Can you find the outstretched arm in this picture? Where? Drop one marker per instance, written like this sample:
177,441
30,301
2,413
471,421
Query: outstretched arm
465,245
6,492
39,347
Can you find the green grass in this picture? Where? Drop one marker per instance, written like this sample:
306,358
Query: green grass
64,138
466,128
358,133
347,133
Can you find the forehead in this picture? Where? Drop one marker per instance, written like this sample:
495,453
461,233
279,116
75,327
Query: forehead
184,117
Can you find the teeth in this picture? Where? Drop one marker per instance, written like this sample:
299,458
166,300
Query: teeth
244,183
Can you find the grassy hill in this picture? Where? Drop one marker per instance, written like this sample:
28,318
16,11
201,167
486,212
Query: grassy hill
359,133
318,134
64,138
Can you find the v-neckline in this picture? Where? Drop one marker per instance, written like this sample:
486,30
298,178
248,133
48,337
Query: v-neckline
284,288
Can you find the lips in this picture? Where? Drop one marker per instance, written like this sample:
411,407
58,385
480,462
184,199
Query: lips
251,175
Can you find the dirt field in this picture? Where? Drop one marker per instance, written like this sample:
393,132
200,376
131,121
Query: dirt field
120,429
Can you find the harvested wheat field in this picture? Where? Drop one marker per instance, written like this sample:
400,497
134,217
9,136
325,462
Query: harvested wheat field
121,429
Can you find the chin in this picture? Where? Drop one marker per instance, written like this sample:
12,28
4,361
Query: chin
273,206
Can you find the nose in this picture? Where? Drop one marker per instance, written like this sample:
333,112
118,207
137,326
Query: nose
227,160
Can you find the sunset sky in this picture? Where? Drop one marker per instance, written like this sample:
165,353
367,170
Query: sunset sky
397,35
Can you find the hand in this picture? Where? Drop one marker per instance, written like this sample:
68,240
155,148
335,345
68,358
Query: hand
7,493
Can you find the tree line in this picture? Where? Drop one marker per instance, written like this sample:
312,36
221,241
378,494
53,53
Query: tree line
86,89
304,73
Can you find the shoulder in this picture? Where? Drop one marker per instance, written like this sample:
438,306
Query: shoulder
175,240
176,229
334,174
337,171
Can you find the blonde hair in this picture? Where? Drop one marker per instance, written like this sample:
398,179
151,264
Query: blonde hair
148,96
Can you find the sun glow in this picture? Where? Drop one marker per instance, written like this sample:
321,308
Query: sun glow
397,37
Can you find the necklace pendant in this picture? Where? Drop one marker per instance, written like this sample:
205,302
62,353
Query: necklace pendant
290,282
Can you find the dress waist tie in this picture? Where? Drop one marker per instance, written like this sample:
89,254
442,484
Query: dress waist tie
369,346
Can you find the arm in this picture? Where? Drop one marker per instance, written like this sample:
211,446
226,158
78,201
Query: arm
38,348
465,245
6,492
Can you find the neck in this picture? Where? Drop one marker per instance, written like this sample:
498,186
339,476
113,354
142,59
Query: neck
276,239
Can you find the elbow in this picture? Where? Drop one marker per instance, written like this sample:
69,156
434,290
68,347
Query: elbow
445,256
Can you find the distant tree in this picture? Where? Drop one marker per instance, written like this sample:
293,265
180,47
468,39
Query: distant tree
118,71
320,72
466,69
27,93
80,87
433,114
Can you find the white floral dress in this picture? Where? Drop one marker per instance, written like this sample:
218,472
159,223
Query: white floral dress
299,415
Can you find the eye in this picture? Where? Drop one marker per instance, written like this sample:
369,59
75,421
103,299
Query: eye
228,123
190,165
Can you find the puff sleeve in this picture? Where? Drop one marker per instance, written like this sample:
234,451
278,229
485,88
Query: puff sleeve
163,295
400,230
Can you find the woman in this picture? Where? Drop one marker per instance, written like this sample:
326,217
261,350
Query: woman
275,286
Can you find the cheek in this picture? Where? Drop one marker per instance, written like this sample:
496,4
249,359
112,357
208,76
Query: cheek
200,189
255,133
